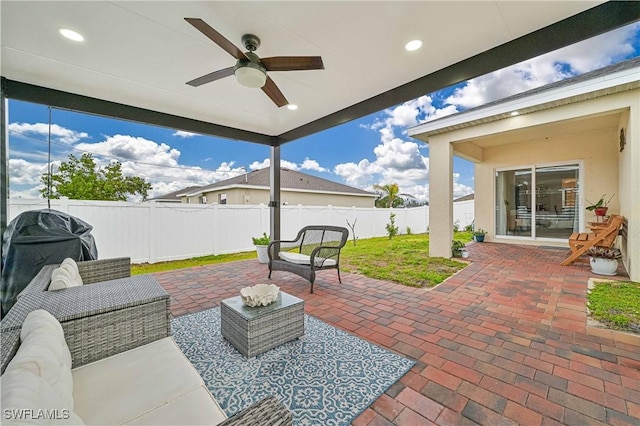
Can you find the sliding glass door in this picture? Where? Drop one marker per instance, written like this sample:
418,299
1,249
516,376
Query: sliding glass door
538,202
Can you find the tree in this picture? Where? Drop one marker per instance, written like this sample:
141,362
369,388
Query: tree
392,229
81,179
390,195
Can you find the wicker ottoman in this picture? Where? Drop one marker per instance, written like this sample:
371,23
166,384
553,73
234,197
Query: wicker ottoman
253,331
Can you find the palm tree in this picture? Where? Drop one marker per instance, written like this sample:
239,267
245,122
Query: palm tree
389,195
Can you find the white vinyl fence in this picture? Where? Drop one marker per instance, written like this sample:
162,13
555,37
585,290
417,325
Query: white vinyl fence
155,232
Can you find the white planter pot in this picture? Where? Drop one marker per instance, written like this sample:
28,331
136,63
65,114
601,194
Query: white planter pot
263,255
602,266
464,253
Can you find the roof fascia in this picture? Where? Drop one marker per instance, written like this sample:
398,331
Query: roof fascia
74,102
502,110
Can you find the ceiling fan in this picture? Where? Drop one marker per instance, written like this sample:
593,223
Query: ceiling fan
250,70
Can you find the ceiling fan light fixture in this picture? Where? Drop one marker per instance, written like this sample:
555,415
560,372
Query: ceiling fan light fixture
250,74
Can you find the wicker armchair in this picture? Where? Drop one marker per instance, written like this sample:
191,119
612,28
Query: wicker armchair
315,248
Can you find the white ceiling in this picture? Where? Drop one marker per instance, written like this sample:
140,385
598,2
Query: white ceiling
142,53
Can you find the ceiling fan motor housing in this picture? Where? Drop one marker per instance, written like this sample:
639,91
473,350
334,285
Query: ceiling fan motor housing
251,42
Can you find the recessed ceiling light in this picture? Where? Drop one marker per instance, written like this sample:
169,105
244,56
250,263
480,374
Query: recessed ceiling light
70,34
292,107
514,113
413,45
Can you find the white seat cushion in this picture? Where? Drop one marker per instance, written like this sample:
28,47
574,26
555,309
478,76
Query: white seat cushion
65,276
297,258
119,389
39,375
303,259
193,408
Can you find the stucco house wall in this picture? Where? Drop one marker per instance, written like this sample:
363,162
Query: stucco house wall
595,151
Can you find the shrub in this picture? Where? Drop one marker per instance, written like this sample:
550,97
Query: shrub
479,232
392,229
456,246
604,253
261,241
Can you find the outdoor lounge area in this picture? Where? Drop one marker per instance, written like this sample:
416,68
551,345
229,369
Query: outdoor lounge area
505,341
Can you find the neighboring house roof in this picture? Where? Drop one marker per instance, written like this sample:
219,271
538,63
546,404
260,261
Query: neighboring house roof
615,78
290,180
175,195
468,197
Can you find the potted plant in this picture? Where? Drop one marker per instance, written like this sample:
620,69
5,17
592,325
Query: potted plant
601,206
262,244
457,247
603,260
479,234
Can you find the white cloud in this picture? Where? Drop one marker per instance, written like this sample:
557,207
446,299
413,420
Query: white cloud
358,174
309,164
183,134
257,165
30,193
124,147
58,133
22,172
572,60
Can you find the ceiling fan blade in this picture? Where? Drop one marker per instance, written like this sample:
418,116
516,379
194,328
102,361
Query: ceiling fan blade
274,93
216,37
292,63
208,78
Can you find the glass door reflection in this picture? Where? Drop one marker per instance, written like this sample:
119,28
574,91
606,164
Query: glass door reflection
513,202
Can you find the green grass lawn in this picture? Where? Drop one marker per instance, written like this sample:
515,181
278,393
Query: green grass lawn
403,259
149,268
616,305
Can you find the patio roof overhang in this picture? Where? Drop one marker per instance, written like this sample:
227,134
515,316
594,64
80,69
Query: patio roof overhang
139,72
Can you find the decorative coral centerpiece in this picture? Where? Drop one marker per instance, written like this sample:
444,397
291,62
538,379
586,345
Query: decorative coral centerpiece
259,295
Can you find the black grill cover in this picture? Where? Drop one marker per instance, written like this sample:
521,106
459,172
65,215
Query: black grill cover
37,238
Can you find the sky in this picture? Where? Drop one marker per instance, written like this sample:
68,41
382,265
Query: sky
371,150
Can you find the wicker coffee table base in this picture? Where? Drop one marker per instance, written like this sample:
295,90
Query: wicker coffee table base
255,332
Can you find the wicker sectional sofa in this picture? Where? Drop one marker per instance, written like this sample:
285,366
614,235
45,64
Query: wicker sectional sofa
111,313
121,367
151,384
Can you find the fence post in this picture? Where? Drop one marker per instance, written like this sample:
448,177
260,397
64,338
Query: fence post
64,204
214,234
153,237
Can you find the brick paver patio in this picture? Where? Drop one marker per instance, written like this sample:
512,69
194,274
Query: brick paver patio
505,341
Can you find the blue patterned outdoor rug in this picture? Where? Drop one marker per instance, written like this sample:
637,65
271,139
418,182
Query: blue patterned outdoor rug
327,377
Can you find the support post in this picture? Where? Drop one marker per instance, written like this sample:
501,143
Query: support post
4,170
440,198
274,193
